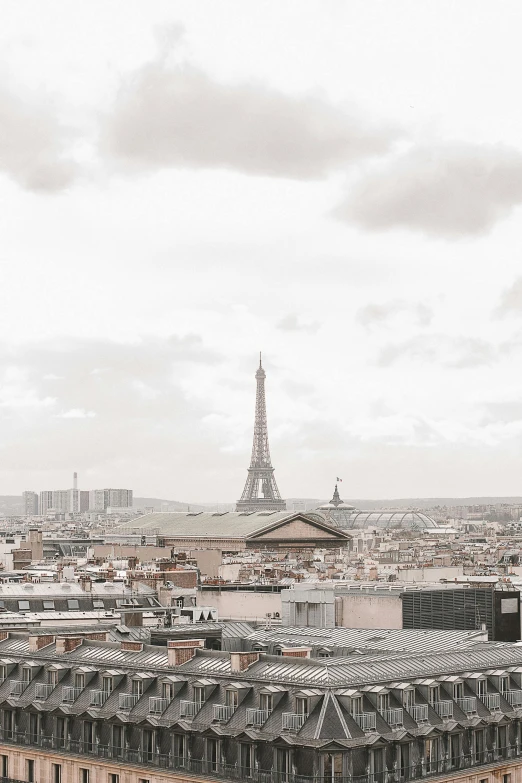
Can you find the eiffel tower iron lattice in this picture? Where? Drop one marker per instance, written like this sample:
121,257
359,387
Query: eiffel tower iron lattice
260,492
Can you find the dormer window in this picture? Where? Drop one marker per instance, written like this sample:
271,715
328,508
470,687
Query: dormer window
301,705
383,702
107,685
481,688
137,688
357,705
199,694
3,672
52,677
231,698
503,684
434,694
266,702
167,691
408,698
458,690
79,680
27,675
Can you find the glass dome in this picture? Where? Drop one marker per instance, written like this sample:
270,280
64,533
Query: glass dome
405,520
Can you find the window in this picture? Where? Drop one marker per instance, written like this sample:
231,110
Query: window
29,770
56,773
27,675
166,690
199,694
113,777
332,766
148,745
3,673
383,702
180,750
72,603
143,780
23,606
479,746
504,684
52,677
88,736
356,705
301,705
246,760
34,727
137,688
431,754
484,780
117,741
4,766
458,690
506,778
283,759
377,765
61,735
84,775
212,755
231,698
107,685
408,698
79,680
97,604
48,605
454,751
434,694
266,702
481,688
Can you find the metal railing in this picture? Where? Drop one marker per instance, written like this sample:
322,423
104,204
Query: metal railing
17,687
367,721
187,709
43,691
419,712
157,705
257,717
513,697
129,756
467,705
444,709
127,701
491,700
98,698
70,694
293,721
223,712
393,717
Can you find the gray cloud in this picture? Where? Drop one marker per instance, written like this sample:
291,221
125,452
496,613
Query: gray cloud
449,191
32,144
179,117
293,323
452,352
375,315
511,300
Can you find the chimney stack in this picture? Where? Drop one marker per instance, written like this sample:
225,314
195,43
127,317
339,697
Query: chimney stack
240,661
182,650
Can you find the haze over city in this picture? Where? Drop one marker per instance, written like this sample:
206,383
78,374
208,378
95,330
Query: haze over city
335,184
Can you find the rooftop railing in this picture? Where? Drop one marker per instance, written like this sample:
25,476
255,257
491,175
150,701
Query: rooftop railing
419,712
393,717
98,698
293,721
257,717
126,701
70,694
514,697
444,709
467,705
367,721
43,691
157,706
491,700
223,712
187,709
17,687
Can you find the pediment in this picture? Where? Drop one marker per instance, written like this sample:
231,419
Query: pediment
299,527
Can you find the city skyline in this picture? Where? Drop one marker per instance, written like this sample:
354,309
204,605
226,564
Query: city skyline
360,232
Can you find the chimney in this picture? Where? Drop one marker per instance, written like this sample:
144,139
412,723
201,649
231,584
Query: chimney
131,646
182,650
37,642
296,652
65,644
240,661
4,635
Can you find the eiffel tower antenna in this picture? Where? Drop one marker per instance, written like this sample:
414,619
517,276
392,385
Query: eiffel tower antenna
260,492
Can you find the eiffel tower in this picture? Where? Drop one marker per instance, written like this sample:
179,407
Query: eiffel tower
260,492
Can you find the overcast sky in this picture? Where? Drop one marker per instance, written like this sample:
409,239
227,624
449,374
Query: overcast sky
337,184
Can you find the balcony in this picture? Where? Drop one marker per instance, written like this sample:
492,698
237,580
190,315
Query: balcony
43,692
187,709
293,721
419,712
444,709
17,687
98,698
69,694
157,706
393,717
257,717
467,705
367,721
223,712
128,700
514,698
491,700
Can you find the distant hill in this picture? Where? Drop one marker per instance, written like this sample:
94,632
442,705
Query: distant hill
160,504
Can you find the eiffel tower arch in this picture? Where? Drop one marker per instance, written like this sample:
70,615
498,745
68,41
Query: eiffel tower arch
260,492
